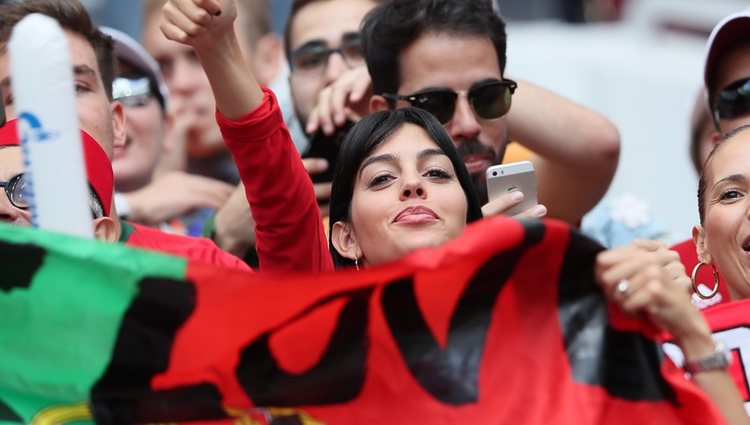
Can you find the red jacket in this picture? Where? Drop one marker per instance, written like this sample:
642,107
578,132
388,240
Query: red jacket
288,225
201,250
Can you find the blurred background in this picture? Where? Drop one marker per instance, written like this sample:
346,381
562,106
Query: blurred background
639,62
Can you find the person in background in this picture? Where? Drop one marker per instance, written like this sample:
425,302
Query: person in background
411,49
174,201
197,143
14,206
194,132
402,186
725,101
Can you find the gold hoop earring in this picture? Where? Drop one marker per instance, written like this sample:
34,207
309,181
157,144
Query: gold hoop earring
695,284
356,263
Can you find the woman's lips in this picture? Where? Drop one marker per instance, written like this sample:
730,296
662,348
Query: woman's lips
416,215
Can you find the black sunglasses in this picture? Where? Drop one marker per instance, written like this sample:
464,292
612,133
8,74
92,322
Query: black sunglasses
313,56
733,101
489,99
15,191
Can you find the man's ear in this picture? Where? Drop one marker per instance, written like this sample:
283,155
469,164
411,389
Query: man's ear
267,58
106,229
699,239
345,241
378,103
118,124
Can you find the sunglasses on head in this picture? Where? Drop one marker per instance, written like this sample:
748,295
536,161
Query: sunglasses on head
313,57
132,91
489,99
733,101
17,191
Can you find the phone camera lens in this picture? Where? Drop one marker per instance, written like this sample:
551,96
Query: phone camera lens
494,173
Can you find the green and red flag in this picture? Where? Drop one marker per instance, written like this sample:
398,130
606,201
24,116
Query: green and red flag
504,325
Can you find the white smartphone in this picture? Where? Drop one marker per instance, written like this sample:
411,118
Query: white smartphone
505,178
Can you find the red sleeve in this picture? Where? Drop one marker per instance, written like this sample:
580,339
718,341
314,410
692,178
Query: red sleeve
288,225
199,250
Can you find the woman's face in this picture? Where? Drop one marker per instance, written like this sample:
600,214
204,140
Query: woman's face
406,196
725,235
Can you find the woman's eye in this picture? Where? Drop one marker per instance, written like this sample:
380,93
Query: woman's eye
80,88
380,179
438,173
730,194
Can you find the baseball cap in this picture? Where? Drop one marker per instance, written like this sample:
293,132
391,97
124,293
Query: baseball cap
730,30
98,168
131,52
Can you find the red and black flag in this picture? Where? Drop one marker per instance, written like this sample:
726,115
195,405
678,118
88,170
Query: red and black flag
504,325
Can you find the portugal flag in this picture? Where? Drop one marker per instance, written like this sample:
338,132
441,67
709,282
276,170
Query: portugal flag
504,325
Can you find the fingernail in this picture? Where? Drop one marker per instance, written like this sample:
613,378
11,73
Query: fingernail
516,196
540,210
322,164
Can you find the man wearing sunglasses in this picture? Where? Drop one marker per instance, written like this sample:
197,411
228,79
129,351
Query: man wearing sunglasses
177,202
448,57
727,73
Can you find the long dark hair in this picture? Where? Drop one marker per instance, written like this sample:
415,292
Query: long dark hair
364,138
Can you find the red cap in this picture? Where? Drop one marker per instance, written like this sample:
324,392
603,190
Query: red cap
98,167
732,29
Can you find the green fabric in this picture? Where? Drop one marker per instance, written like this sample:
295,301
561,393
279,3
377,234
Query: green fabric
126,229
57,335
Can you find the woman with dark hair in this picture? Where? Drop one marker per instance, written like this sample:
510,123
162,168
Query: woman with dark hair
399,185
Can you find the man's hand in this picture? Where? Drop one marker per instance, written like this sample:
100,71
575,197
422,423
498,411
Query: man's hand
346,98
234,227
175,194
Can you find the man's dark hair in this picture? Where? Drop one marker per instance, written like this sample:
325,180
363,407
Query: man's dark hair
73,17
364,138
293,9
388,29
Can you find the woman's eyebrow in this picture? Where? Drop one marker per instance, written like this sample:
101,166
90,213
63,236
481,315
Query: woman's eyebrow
386,157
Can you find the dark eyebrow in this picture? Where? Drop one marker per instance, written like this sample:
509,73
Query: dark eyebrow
734,178
311,44
386,157
84,70
77,70
348,36
430,152
391,158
